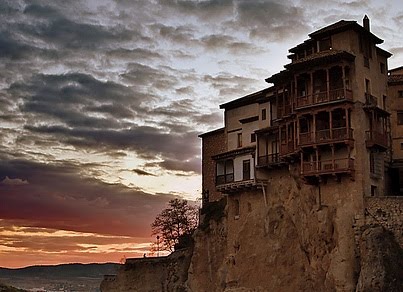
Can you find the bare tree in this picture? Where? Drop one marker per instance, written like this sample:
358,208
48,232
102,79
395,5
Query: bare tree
174,223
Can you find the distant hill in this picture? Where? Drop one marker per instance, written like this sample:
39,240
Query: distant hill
62,271
6,288
66,277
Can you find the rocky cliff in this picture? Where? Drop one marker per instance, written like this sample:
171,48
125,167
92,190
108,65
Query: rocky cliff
287,238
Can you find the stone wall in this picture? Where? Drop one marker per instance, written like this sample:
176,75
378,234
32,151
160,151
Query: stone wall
213,142
151,274
382,211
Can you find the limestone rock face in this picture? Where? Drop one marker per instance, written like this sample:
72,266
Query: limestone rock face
287,245
289,237
381,262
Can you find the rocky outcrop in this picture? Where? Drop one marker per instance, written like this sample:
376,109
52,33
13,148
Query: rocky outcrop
288,238
381,261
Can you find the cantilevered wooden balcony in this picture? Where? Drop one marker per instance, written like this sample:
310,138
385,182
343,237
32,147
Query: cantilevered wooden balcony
331,166
323,97
284,110
236,186
287,148
377,139
335,135
224,179
269,160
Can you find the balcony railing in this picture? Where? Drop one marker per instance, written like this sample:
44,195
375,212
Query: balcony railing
377,138
323,97
326,135
269,159
287,147
370,100
305,138
224,179
327,166
284,110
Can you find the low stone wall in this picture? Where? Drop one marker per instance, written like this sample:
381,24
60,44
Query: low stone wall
151,274
382,211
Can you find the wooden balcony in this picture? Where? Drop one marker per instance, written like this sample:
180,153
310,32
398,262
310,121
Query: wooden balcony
236,186
323,97
377,139
331,166
334,135
284,110
287,148
269,160
370,100
224,179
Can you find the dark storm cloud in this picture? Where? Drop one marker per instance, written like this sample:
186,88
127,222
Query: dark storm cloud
207,10
230,86
134,54
73,201
147,76
221,41
146,141
191,165
68,33
142,172
69,98
274,20
176,34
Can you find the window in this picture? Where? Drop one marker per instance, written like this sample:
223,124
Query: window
383,68
367,86
372,162
263,114
401,146
384,102
400,118
252,138
225,172
246,170
239,140
400,93
374,191
325,44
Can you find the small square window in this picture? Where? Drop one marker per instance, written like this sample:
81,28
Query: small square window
400,118
400,93
401,146
252,137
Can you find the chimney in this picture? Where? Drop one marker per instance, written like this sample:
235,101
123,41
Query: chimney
365,22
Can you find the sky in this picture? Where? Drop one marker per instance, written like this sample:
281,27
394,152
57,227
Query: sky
102,102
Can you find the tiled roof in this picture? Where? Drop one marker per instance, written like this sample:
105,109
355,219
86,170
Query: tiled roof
395,78
340,25
248,99
343,25
324,55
